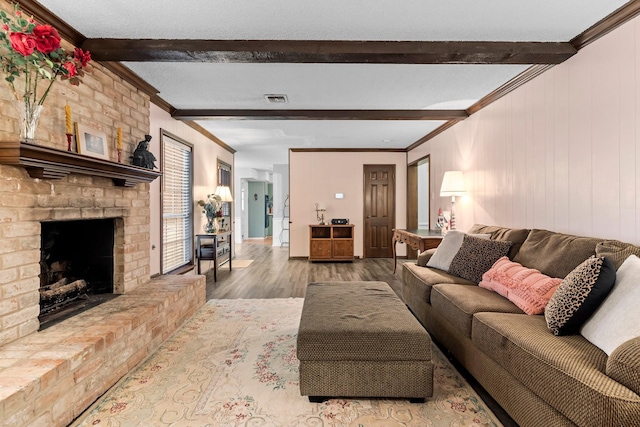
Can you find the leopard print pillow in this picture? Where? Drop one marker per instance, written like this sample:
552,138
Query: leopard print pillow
476,256
579,295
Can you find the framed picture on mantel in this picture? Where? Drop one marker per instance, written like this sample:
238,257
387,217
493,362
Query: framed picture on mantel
91,142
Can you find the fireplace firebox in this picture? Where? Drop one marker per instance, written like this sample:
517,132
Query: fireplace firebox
76,267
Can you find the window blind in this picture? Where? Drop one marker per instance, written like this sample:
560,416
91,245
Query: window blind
224,178
177,204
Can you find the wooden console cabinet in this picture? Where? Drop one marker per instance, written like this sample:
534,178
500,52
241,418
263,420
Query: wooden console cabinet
214,247
331,242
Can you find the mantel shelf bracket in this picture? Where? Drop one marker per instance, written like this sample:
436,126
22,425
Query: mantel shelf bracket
49,163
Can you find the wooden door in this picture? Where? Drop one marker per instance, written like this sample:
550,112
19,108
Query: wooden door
379,210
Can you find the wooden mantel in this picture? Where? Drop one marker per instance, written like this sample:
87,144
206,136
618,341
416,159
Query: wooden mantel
49,163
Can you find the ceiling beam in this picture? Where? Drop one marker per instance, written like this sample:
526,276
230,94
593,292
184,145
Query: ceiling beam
319,114
326,51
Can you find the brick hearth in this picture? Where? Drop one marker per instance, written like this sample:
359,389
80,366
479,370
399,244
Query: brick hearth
49,378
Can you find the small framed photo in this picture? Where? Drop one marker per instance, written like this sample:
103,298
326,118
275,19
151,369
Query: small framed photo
91,142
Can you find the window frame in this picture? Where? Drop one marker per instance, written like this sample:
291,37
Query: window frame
188,251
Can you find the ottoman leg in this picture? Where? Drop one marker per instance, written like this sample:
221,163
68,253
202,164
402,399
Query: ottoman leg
416,400
318,399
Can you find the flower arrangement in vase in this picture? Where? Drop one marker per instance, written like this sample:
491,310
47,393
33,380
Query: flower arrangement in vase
212,210
30,54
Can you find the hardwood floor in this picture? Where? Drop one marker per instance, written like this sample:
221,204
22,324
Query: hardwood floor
273,275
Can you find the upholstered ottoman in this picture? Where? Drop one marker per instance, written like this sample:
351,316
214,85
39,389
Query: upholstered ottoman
357,339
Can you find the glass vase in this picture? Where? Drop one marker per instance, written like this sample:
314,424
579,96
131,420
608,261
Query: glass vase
210,226
28,115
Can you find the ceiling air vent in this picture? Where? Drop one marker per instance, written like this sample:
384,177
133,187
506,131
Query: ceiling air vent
277,98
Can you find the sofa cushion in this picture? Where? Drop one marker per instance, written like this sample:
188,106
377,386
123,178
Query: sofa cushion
458,304
555,254
448,248
618,317
623,365
417,281
514,235
553,366
527,288
476,256
579,295
425,256
616,251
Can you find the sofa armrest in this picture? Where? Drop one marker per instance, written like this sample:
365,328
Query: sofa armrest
424,257
624,364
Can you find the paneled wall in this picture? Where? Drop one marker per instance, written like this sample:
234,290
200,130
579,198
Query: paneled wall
561,152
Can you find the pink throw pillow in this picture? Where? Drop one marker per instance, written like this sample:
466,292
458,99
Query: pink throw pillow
527,288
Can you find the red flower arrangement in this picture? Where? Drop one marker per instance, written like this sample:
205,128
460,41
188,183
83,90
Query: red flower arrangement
33,51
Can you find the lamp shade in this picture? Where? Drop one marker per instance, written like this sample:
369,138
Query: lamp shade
224,192
452,184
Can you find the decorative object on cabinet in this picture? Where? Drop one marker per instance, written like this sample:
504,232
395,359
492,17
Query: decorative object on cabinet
92,142
331,242
211,209
142,156
452,185
320,214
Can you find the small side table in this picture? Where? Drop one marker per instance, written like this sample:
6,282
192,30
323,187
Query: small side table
417,239
214,247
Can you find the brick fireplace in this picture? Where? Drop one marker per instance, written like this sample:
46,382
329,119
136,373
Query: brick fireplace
28,202
50,377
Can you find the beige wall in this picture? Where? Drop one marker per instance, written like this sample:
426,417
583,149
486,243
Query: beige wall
560,153
205,156
315,177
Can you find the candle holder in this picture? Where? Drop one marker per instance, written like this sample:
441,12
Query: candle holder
119,156
69,135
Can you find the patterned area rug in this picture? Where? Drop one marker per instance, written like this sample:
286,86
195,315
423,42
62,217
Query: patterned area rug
234,364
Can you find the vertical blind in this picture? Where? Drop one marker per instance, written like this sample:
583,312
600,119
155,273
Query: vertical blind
177,205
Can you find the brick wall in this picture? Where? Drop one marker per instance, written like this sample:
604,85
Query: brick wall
104,102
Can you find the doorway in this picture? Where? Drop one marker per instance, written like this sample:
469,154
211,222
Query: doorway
379,210
418,197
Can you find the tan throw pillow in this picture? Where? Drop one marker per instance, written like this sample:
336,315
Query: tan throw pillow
476,256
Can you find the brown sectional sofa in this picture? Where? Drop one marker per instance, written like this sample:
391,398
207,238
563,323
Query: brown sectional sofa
540,379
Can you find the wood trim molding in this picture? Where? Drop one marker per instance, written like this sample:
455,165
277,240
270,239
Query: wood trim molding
131,77
606,25
44,15
432,134
320,114
209,135
522,78
329,51
347,150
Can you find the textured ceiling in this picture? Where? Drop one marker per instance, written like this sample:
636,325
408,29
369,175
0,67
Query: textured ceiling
260,144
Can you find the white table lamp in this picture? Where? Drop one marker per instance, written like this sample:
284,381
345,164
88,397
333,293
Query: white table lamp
224,192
